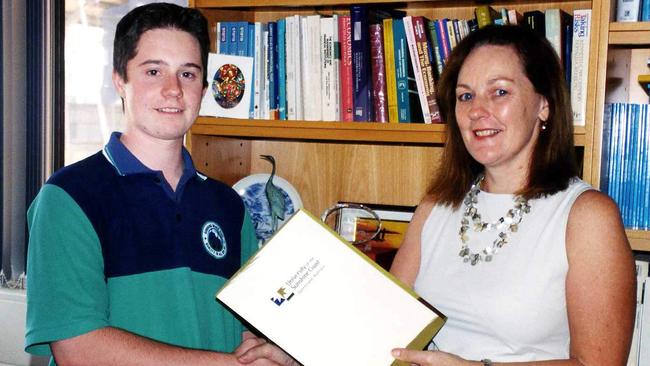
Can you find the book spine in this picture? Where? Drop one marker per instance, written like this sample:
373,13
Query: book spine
425,65
265,105
628,10
451,34
242,38
380,102
327,68
251,53
232,37
224,38
389,67
431,26
645,11
345,35
336,61
297,57
361,84
401,71
417,71
580,64
290,68
273,69
258,72
315,71
441,33
282,70
484,15
553,30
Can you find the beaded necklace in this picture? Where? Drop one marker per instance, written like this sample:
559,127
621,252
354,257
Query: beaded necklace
506,225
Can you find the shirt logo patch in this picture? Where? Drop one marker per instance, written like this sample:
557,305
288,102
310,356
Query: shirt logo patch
214,240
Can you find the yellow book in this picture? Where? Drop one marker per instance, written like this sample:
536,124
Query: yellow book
485,15
391,81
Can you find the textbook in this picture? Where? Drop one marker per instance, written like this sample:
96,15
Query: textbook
324,302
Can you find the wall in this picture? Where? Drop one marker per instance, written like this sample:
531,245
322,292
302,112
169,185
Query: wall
12,330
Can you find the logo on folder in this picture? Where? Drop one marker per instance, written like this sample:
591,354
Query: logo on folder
281,296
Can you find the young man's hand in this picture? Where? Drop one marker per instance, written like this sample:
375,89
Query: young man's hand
254,349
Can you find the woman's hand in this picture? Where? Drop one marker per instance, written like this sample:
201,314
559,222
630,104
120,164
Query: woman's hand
429,358
254,349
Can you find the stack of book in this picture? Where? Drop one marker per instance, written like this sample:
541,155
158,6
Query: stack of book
625,161
633,10
378,64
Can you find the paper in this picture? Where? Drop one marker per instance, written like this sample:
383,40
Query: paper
324,302
229,86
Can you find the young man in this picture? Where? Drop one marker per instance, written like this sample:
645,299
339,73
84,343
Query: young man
129,246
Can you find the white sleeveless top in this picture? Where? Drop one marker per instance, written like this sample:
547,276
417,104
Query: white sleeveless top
514,307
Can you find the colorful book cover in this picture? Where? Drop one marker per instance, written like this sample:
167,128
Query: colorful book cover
345,35
361,71
380,101
419,31
282,71
401,53
272,67
437,56
389,67
580,64
417,68
229,86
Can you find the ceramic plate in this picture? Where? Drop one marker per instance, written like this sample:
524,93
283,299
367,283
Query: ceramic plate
251,190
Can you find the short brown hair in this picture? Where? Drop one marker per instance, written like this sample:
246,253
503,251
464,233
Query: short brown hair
553,163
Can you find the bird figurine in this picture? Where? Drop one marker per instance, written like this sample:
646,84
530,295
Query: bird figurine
274,196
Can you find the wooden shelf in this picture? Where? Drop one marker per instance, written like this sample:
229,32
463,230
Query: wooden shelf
407,133
639,240
629,34
287,3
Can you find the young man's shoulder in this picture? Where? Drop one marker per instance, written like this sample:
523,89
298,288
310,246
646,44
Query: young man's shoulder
86,171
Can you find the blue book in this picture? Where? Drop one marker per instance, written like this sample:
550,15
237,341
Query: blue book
273,69
646,167
224,38
605,160
282,69
568,47
401,71
242,38
645,11
233,30
361,71
251,53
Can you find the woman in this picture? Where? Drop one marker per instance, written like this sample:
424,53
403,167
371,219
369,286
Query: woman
528,262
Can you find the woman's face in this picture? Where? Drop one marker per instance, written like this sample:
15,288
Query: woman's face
498,111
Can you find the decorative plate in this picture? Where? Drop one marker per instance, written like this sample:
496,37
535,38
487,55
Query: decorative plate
252,191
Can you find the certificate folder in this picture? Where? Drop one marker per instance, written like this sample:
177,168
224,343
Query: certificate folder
324,302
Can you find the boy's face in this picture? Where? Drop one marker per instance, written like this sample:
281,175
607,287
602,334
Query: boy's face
165,85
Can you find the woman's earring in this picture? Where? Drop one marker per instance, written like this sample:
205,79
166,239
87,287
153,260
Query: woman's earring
543,126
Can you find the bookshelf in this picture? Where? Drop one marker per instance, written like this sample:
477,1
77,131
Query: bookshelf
370,162
616,36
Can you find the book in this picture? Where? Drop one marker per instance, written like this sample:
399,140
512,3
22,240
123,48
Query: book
645,11
229,86
272,69
644,337
534,19
379,98
424,55
361,72
389,66
515,17
311,68
628,10
304,270
486,15
641,268
345,71
336,62
555,28
328,78
402,64
282,69
435,43
580,64
259,70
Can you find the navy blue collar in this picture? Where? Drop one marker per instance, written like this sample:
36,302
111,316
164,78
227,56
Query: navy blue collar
125,163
